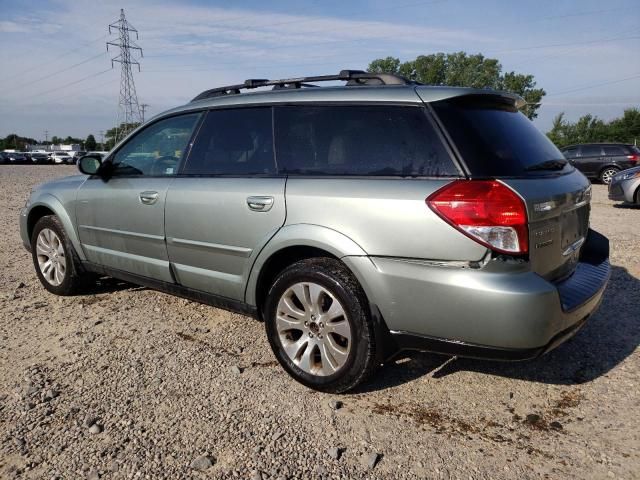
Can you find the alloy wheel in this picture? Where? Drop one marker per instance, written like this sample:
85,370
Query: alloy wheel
313,329
607,175
51,257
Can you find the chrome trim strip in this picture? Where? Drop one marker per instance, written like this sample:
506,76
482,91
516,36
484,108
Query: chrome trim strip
573,247
435,263
123,232
240,251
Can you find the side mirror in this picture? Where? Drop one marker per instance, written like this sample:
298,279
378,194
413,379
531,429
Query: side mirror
89,164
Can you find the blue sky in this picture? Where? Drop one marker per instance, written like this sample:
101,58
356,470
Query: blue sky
56,71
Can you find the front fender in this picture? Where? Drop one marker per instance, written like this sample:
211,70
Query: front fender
301,235
52,203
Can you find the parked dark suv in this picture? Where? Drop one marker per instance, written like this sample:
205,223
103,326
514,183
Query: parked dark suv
602,160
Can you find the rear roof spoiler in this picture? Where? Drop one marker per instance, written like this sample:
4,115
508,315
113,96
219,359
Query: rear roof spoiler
435,94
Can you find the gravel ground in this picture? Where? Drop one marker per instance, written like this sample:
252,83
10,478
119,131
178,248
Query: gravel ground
131,383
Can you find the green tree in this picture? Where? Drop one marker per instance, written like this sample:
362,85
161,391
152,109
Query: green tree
110,135
16,142
90,143
460,69
589,128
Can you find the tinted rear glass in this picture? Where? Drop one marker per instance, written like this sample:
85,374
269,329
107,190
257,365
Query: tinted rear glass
571,152
590,151
614,150
494,139
233,142
359,140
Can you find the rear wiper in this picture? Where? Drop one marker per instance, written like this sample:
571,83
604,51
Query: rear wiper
547,165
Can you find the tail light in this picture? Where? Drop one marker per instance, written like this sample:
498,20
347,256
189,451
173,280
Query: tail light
487,211
633,158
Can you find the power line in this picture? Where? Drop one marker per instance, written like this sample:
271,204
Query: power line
324,30
74,93
49,75
581,14
298,21
69,52
72,83
549,45
594,85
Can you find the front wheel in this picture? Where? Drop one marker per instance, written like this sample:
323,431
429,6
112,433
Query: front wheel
607,175
55,260
318,325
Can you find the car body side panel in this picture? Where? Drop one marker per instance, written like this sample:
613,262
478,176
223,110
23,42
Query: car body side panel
213,237
119,231
58,196
386,217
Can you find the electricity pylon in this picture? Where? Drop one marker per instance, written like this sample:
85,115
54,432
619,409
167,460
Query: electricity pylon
129,115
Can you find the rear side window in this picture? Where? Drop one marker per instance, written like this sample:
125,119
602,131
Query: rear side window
590,151
614,150
359,140
233,142
494,139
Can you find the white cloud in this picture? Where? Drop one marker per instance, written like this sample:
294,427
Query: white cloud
190,48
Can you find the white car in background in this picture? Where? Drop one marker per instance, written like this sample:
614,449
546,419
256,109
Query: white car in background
61,157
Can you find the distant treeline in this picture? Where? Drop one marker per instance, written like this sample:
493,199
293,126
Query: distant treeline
589,128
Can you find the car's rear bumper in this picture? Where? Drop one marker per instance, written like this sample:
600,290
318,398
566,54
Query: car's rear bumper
486,312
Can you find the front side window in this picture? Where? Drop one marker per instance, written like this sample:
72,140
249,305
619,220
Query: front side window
233,142
371,140
156,150
570,152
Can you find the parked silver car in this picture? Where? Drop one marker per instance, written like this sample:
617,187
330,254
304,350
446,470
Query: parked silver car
355,221
625,186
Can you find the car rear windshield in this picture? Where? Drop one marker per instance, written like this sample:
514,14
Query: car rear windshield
363,140
494,138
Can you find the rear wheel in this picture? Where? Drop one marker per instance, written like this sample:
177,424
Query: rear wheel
607,174
55,260
319,327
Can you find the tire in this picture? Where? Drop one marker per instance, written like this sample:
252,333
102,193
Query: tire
49,242
319,347
607,174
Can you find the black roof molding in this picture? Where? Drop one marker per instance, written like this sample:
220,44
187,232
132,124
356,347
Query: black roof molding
352,77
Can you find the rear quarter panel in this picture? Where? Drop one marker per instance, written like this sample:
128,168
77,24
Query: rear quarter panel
385,217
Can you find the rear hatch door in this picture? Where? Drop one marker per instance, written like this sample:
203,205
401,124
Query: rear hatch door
495,141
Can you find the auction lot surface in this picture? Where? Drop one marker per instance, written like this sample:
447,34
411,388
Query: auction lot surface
126,382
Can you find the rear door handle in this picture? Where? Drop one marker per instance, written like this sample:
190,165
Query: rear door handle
260,204
148,198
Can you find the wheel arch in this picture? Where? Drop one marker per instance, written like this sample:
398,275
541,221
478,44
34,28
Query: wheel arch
291,244
609,165
50,205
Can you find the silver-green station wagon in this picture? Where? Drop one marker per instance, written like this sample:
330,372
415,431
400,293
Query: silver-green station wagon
355,220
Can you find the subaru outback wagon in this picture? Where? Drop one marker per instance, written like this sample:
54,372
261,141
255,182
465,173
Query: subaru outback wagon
356,221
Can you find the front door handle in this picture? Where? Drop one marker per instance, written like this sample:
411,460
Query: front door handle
260,204
148,198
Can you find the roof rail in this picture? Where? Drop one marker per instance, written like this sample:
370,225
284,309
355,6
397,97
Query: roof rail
352,77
